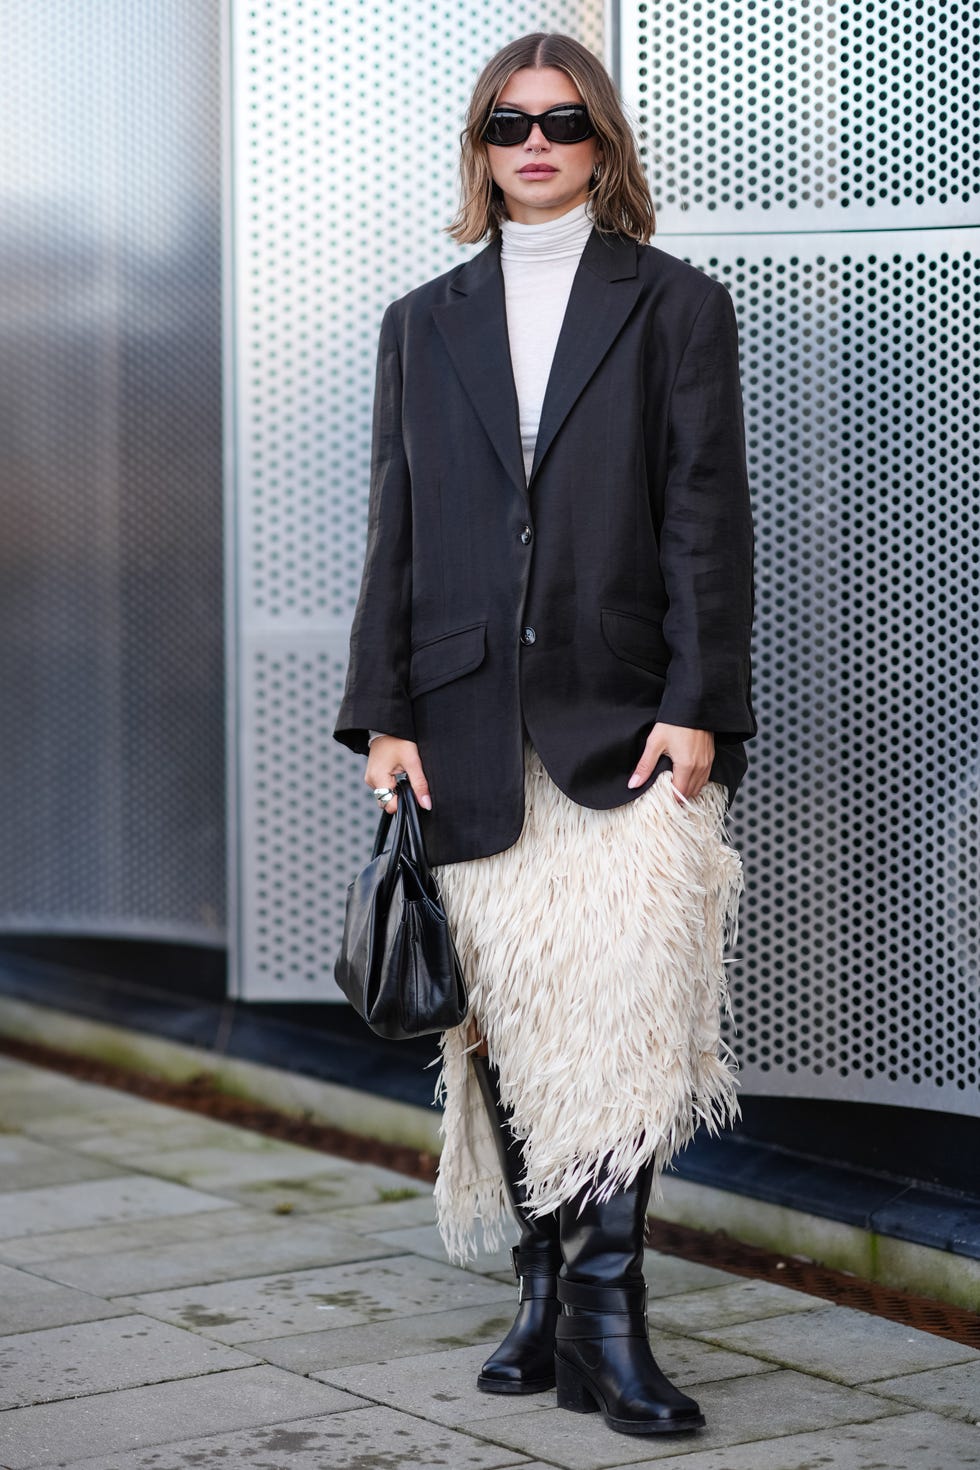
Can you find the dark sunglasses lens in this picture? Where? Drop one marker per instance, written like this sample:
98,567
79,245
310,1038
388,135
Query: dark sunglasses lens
505,129
567,125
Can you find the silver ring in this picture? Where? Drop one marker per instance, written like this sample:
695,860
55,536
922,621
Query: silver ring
382,795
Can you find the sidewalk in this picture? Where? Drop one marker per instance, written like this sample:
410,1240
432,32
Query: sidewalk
176,1292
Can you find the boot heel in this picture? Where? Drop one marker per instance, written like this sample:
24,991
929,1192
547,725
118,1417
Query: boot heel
573,1391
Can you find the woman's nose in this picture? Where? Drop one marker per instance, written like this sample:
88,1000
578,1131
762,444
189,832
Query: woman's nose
535,138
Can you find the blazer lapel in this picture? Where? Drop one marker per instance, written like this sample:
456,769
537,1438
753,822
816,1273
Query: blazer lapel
474,329
604,292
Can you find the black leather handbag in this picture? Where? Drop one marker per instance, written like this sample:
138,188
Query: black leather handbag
398,964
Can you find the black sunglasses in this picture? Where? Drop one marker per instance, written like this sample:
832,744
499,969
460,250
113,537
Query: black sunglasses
568,123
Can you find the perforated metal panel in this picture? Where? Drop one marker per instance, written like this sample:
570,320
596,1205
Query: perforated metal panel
847,115
305,820
112,817
859,961
345,125
858,971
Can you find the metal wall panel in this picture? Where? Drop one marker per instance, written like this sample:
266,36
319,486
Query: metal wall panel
822,161
829,115
345,124
111,658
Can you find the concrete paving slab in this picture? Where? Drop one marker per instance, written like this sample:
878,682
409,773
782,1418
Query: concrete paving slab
339,1186
683,1360
371,1438
391,1213
122,1352
847,1346
130,1419
757,1407
306,1243
24,1105
26,1163
400,1337
440,1387
90,1109
98,1240
17,1076
425,1240
72,1093
28,1301
954,1391
672,1276
98,1202
262,1159
302,1301
131,1142
903,1442
743,1301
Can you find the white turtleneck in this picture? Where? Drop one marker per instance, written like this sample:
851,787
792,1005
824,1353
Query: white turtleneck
539,263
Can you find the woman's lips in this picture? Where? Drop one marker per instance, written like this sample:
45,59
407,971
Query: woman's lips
536,170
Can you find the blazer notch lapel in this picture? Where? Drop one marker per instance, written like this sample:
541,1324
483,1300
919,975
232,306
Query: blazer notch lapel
604,291
474,329
611,257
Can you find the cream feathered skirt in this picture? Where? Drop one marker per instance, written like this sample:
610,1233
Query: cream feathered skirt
595,956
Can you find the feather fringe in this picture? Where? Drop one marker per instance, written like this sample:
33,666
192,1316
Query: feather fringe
594,951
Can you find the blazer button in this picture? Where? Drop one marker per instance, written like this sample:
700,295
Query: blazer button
528,635
526,534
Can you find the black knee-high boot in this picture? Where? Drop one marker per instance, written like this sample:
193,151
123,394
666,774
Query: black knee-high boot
525,1360
603,1360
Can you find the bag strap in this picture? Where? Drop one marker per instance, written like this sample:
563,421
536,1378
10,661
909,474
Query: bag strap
384,826
389,820
407,834
414,842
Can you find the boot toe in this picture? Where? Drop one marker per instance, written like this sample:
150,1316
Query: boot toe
664,1411
500,1376
669,1422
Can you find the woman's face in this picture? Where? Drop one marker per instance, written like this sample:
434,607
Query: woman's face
541,180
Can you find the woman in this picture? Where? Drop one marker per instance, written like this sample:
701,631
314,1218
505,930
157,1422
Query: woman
552,640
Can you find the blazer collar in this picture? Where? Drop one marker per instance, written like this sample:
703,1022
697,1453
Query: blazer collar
474,328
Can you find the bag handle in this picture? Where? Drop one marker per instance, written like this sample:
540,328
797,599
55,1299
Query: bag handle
395,855
413,828
408,831
384,827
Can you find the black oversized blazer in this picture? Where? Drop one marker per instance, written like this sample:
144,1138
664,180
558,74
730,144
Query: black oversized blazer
612,590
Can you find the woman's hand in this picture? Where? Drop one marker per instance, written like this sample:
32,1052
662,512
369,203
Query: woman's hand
387,758
692,752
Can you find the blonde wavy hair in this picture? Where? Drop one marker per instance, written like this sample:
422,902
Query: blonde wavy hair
619,197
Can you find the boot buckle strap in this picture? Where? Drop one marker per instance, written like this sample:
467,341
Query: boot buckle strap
594,1325
530,1287
587,1297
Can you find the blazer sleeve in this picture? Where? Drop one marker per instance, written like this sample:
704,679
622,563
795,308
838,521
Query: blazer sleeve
376,690
707,540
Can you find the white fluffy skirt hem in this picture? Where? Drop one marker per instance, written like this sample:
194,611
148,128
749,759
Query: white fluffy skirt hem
594,951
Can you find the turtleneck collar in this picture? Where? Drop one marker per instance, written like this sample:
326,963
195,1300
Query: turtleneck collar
552,240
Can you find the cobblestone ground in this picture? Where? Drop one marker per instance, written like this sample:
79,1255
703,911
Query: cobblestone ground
176,1292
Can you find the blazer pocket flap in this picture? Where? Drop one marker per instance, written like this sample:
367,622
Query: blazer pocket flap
446,658
637,640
